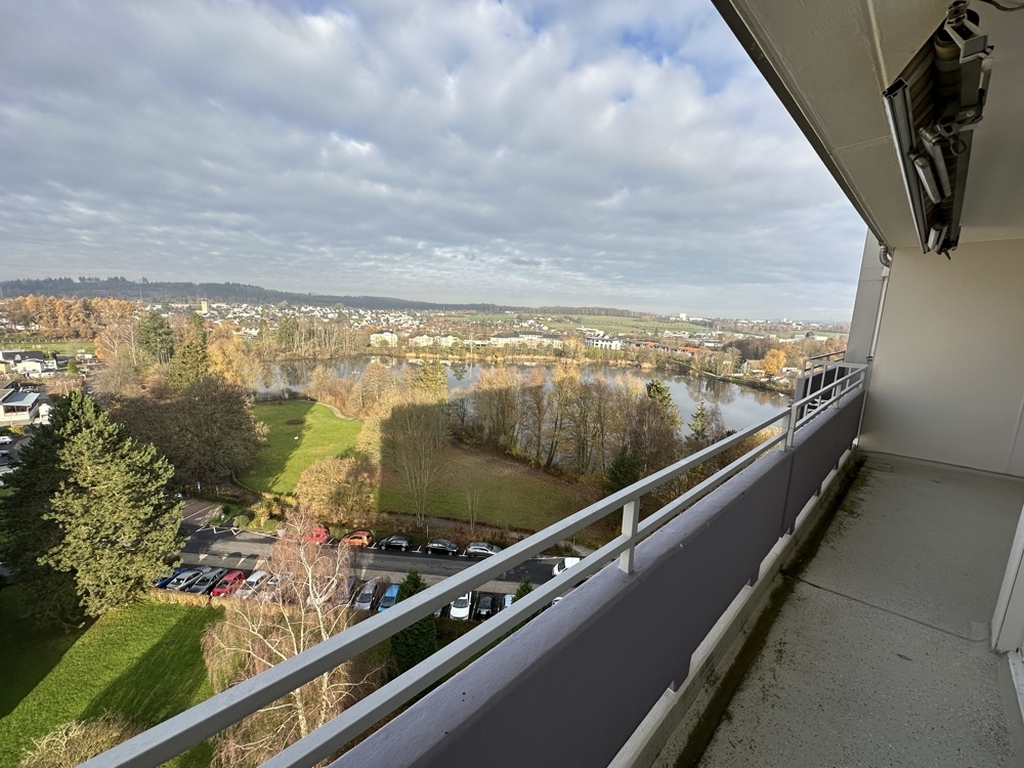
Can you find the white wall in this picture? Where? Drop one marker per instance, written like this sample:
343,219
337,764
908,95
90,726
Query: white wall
948,378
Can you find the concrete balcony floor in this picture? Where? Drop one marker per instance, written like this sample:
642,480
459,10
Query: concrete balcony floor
880,654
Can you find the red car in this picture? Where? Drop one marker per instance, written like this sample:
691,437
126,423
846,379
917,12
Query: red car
362,538
317,533
232,580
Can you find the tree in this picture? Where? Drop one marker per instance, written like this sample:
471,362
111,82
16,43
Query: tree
309,606
156,338
524,588
624,471
774,361
190,362
415,643
207,430
99,521
658,392
412,438
72,367
341,491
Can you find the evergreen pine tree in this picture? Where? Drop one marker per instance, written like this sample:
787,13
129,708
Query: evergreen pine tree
90,521
525,588
190,362
625,470
658,392
156,338
413,644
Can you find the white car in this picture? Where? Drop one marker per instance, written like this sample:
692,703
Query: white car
252,584
563,564
5,440
459,608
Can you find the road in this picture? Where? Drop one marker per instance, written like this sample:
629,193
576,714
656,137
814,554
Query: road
244,549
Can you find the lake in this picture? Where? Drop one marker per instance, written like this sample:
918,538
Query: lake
741,407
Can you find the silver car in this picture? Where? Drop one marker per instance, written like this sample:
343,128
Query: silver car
207,581
481,549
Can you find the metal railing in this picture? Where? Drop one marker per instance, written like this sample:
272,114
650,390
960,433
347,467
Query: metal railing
181,732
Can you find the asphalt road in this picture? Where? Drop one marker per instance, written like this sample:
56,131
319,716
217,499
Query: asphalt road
245,549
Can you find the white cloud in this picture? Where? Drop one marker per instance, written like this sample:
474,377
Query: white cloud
523,152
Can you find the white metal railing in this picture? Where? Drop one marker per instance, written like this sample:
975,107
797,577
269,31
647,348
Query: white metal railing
181,732
826,357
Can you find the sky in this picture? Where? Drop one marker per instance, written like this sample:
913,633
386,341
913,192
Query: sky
524,152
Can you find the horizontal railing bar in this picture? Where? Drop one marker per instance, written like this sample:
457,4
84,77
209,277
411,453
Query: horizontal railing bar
333,735
824,355
183,731
679,505
858,373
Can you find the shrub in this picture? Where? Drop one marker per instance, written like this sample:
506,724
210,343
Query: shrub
71,744
173,596
241,521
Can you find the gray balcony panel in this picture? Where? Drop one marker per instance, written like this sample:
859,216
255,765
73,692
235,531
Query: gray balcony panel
570,687
820,444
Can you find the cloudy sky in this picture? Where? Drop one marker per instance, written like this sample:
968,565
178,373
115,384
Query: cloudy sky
622,153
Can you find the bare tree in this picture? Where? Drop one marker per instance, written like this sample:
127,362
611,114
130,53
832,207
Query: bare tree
306,604
411,440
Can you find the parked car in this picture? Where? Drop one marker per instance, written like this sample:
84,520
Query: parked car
459,609
207,581
273,586
442,547
396,541
367,597
347,592
252,585
481,549
5,440
186,579
318,533
321,590
565,562
230,583
485,607
162,583
361,538
389,599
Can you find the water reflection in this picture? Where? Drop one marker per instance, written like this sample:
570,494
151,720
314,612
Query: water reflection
741,406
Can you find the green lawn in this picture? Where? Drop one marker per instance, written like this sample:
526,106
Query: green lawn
510,494
291,448
61,347
144,661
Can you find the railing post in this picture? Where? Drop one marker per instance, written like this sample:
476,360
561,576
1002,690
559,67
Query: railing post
791,427
630,520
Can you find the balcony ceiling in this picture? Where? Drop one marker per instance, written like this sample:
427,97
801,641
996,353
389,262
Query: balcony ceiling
831,60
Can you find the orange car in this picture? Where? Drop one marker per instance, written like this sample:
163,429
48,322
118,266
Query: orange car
358,539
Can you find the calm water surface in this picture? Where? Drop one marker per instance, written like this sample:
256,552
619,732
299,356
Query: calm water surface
741,406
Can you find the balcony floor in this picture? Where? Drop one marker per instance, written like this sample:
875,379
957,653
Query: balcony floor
880,654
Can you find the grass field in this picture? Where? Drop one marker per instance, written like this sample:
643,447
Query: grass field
61,347
291,448
144,661
510,495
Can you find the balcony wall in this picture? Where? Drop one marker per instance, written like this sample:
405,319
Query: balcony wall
948,377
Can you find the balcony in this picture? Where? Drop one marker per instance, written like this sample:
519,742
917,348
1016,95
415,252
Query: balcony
880,652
